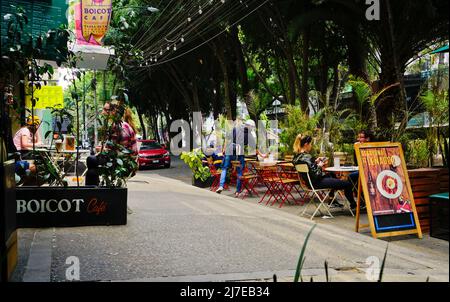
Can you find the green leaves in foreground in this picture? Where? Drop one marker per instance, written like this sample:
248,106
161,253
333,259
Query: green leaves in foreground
382,264
301,260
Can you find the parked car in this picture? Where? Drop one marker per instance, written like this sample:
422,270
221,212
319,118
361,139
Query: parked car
152,154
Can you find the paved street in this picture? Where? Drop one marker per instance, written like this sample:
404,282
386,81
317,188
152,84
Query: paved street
181,233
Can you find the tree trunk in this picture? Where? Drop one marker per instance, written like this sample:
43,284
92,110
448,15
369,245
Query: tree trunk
304,99
217,100
155,125
357,54
280,78
372,120
220,54
141,121
392,108
291,82
242,69
402,106
195,98
336,87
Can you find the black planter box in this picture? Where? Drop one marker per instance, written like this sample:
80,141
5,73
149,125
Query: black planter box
8,238
43,207
439,216
202,184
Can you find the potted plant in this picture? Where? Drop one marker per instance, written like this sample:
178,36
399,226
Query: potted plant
201,175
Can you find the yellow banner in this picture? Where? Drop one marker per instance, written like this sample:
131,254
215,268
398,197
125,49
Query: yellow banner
95,16
47,96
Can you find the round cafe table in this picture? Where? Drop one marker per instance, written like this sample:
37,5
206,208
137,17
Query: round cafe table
342,170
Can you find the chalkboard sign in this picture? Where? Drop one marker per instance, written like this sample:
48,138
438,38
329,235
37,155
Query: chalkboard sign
383,178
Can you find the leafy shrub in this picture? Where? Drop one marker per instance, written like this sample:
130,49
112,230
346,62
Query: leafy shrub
194,160
417,153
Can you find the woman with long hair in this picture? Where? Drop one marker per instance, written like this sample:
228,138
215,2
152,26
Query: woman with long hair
128,118
302,149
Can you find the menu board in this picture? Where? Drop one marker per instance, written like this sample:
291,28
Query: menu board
387,191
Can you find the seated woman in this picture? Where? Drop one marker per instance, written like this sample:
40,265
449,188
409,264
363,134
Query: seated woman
23,139
302,150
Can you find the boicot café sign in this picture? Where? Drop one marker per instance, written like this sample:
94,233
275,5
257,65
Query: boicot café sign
95,18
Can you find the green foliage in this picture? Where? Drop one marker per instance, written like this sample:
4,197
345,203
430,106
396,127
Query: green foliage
194,160
117,163
417,153
336,123
368,99
297,122
301,260
436,102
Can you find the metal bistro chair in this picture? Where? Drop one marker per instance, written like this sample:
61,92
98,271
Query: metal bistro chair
316,194
248,180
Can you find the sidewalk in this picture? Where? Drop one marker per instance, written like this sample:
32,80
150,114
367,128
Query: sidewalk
181,233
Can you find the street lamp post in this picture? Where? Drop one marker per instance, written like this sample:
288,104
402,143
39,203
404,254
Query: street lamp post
276,104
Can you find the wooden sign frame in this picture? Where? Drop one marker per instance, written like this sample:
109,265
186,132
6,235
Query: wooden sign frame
376,233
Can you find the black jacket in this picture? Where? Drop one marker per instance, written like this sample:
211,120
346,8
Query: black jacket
315,172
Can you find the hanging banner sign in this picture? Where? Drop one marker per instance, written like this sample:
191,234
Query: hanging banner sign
387,190
95,17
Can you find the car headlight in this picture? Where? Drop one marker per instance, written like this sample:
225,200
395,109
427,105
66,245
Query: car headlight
167,154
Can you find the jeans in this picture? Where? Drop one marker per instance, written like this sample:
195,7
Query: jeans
240,170
337,184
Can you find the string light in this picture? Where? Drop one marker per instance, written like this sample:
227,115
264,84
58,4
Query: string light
199,24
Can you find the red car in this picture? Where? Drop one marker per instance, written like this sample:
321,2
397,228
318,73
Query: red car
152,154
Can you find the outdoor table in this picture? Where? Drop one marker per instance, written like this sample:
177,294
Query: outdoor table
343,172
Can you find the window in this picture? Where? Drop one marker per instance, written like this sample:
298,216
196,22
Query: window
150,146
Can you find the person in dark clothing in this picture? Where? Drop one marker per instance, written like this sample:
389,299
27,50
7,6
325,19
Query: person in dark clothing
364,136
236,142
319,179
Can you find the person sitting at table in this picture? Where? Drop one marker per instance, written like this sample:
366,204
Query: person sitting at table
364,136
25,171
302,151
23,139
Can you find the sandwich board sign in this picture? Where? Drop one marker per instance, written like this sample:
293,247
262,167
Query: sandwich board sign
383,178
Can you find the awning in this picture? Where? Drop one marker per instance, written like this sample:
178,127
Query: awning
442,49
